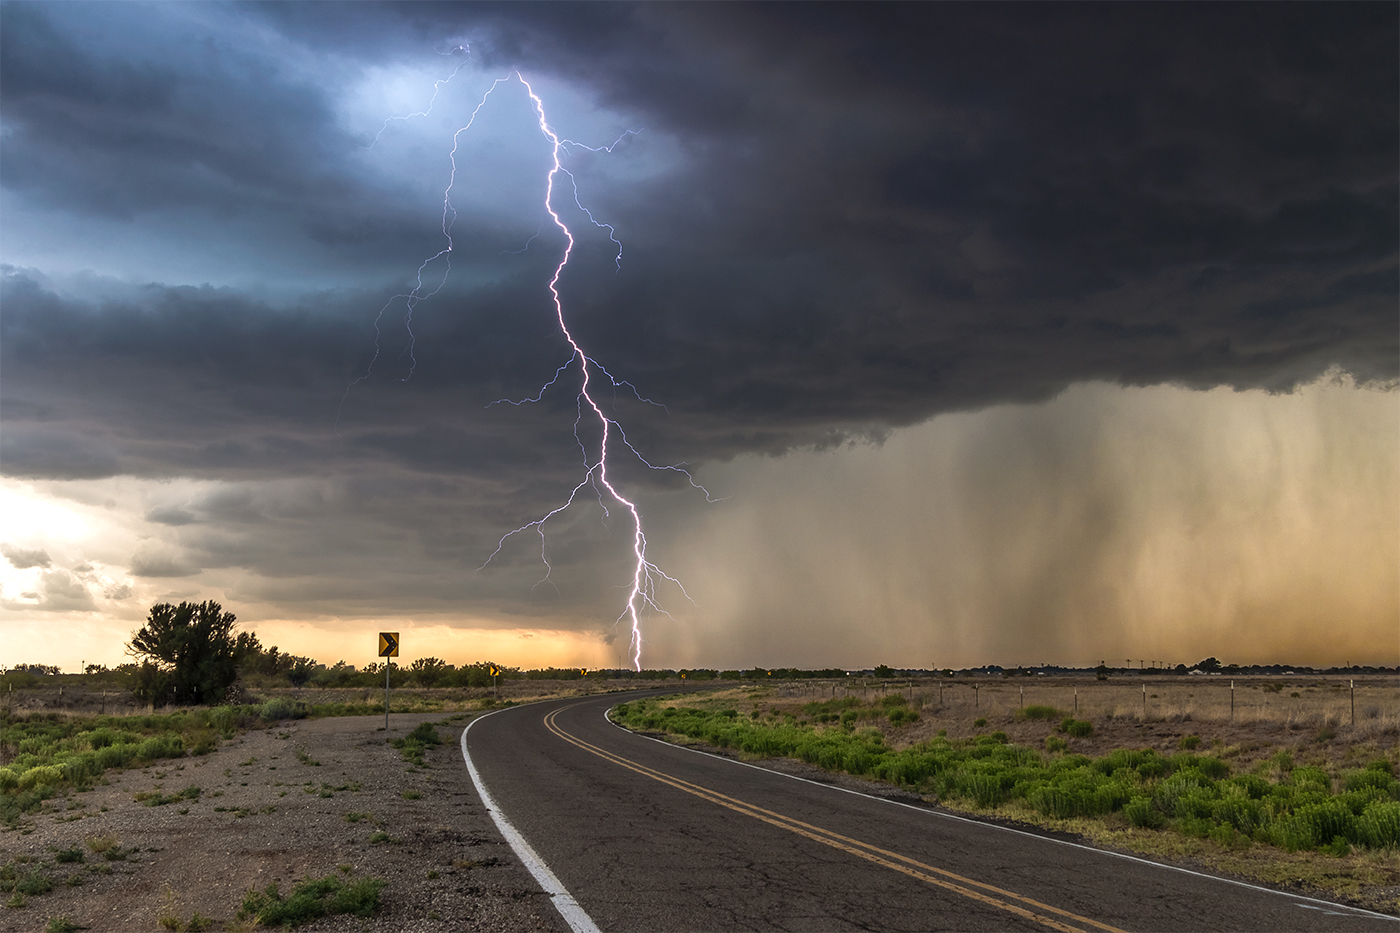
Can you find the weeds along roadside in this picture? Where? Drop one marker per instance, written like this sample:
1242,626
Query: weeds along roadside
148,739
1185,802
48,754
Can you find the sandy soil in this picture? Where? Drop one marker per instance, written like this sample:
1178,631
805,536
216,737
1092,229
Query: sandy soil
273,808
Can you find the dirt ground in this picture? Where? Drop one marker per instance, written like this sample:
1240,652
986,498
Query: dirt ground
277,806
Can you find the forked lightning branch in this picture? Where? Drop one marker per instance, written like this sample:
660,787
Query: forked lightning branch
646,577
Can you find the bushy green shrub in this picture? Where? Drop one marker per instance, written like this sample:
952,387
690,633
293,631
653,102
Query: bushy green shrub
115,756
279,708
1370,778
413,745
310,900
985,789
1379,826
168,745
41,776
1141,812
1315,825
1038,712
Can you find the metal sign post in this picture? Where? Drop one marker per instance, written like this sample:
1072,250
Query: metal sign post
388,650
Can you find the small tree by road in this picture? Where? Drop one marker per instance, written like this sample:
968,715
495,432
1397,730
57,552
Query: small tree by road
188,654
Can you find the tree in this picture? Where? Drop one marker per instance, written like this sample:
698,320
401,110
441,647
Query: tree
428,671
300,670
188,654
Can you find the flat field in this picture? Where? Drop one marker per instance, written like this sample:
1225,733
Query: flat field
1311,713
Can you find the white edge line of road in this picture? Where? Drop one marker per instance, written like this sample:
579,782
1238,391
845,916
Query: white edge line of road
1008,829
574,915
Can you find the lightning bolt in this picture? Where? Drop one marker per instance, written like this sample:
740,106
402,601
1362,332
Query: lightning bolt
646,577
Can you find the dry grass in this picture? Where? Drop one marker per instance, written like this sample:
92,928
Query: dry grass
1315,726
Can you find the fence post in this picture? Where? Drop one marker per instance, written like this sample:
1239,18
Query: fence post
1232,701
1353,702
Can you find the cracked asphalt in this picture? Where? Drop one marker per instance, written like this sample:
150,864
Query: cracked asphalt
648,836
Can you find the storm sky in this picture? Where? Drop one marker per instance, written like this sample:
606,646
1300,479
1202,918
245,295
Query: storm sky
998,333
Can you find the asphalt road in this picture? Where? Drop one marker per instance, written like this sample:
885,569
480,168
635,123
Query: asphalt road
647,836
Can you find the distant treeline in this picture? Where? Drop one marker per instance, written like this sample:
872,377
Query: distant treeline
269,667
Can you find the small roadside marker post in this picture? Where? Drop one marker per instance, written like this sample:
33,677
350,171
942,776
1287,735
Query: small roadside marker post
388,650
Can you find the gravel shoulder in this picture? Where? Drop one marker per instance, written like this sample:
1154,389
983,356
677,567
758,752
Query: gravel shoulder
279,805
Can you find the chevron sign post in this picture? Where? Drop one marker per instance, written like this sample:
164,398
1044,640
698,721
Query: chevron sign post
388,650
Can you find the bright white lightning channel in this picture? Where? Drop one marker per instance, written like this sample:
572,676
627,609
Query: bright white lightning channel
646,575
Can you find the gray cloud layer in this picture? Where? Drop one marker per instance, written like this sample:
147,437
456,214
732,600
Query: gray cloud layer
838,220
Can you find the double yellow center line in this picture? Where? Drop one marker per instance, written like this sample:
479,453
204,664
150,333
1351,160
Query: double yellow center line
1021,906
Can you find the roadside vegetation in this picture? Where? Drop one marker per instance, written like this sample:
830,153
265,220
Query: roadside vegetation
413,745
50,754
1220,801
310,900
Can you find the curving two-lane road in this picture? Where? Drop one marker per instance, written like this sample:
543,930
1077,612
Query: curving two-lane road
647,836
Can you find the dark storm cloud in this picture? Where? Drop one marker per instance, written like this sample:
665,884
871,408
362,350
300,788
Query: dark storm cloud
893,210
874,214
178,120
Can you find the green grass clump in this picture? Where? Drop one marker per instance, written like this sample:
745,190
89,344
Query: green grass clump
1078,728
1038,712
280,708
413,745
32,883
310,900
61,925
